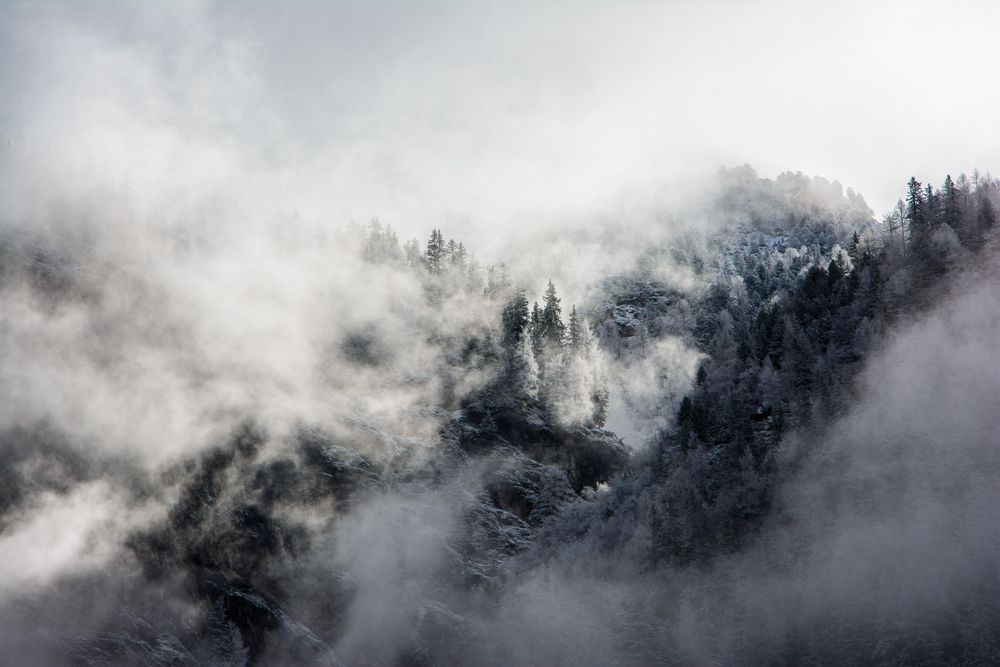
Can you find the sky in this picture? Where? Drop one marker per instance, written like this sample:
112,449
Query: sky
481,118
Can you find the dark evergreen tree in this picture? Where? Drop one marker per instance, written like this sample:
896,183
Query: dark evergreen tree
434,256
914,204
553,329
515,320
916,215
932,206
951,210
577,332
986,217
599,399
537,330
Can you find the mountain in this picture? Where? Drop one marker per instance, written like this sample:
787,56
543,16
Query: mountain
446,485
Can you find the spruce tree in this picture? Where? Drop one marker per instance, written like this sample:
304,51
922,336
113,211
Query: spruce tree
537,330
459,256
519,361
986,216
577,333
552,325
515,320
916,215
411,251
914,203
435,252
951,209
497,281
932,206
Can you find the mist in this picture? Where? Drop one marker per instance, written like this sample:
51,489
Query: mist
674,386
493,118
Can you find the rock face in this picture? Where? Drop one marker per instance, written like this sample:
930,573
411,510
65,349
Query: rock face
586,455
235,540
226,545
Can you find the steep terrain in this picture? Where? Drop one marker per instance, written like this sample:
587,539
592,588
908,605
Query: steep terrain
468,504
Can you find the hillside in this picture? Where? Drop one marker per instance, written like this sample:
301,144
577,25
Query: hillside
397,457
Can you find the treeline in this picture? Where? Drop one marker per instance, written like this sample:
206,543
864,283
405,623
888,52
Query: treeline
449,264
784,340
784,332
539,356
547,358
935,225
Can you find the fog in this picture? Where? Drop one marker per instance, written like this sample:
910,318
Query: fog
181,189
489,118
884,527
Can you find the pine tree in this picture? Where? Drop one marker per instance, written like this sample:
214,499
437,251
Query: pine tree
459,256
519,361
834,272
411,251
916,215
914,203
382,244
950,207
435,252
986,216
515,320
553,328
473,277
599,400
537,330
932,206
577,332
490,289
497,281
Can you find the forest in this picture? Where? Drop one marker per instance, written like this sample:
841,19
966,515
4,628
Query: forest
412,458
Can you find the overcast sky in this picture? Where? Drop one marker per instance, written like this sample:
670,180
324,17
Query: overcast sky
476,117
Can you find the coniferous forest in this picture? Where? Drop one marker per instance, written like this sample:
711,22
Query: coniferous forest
320,345
500,490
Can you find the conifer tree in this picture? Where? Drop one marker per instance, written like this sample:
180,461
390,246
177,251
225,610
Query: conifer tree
577,334
599,400
985,214
473,277
951,210
552,325
497,281
537,330
435,252
519,361
459,256
411,251
932,206
515,320
916,214
914,203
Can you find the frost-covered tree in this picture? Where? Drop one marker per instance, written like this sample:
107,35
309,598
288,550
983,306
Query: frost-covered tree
435,253
577,332
497,281
412,254
553,329
515,319
381,243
